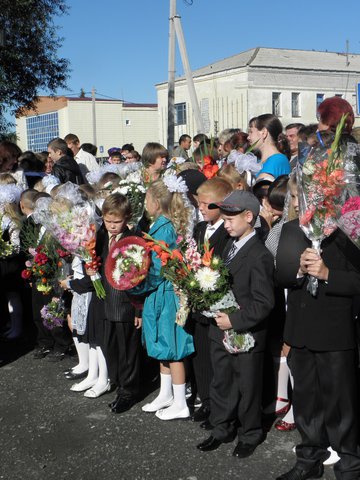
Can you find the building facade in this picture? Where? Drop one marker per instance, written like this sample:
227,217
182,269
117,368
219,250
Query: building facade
115,123
288,83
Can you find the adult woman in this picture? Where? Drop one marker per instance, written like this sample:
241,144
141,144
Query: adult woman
266,132
154,158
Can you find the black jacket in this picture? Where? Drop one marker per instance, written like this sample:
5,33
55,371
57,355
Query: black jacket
67,170
324,322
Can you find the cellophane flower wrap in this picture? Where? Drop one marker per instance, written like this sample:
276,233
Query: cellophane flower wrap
72,221
6,248
200,280
321,185
127,263
53,314
135,192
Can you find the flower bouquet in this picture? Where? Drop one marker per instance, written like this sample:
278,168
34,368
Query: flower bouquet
321,184
44,268
71,220
349,220
6,248
135,192
127,263
53,314
201,282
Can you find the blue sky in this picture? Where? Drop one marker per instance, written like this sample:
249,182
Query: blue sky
121,46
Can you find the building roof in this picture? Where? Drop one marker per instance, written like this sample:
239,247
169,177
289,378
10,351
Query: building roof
281,58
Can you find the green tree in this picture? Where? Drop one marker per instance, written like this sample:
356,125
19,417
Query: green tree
28,59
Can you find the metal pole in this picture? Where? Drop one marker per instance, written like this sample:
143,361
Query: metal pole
188,75
171,79
93,114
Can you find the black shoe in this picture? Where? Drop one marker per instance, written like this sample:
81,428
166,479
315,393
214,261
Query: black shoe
201,414
113,403
41,352
123,404
298,473
75,376
56,356
212,443
206,425
243,450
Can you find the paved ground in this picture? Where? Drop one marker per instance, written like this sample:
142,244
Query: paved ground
48,432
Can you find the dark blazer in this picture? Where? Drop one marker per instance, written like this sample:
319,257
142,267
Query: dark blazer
324,322
218,241
251,273
118,307
67,170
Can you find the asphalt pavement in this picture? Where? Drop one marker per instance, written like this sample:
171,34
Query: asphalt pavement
49,432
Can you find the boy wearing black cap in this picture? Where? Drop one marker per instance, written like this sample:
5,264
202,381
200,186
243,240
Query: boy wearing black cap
236,389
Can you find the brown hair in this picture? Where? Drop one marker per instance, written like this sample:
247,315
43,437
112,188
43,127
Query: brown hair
117,204
274,127
232,176
71,138
58,144
151,152
7,179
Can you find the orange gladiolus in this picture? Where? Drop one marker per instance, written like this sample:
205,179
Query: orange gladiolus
43,280
206,258
176,254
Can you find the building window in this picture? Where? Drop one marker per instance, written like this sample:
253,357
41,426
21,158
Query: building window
295,104
127,123
319,99
40,129
276,97
180,113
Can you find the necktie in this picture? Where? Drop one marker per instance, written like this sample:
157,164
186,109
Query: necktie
112,240
232,252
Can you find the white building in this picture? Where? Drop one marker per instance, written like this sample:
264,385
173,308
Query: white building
116,123
288,83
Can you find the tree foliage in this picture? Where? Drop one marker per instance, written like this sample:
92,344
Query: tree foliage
29,61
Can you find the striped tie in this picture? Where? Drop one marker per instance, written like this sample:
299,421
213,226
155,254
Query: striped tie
232,252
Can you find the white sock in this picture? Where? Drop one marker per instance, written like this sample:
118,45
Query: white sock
179,396
15,313
93,372
165,393
103,371
83,354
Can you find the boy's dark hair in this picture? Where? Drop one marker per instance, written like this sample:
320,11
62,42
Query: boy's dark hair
277,192
151,152
184,137
58,144
294,125
200,137
128,146
89,148
117,204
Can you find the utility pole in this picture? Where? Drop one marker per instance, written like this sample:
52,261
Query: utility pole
93,91
171,79
175,28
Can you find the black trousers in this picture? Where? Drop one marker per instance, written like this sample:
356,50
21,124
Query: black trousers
201,361
122,353
325,400
235,394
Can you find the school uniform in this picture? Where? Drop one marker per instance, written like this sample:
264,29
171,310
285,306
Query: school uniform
323,359
217,237
236,388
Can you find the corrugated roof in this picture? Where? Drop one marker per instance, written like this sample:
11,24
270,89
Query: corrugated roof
283,59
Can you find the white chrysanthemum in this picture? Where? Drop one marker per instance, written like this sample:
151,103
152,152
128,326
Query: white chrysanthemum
207,278
136,254
118,271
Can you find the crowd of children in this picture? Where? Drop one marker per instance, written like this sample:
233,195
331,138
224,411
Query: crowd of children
246,209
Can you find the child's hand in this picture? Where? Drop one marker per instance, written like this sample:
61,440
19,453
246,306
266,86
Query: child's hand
223,321
138,322
91,272
63,284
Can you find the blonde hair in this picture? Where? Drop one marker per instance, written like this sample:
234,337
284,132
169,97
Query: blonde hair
172,206
237,180
219,188
7,179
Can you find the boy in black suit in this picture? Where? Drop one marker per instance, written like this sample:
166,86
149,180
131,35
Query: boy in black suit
321,331
236,388
211,230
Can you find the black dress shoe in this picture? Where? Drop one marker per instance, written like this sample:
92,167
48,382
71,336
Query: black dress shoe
113,403
206,425
123,404
201,414
41,352
75,376
298,473
243,450
209,444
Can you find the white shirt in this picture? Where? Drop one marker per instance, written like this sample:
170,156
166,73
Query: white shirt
241,242
211,229
86,161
